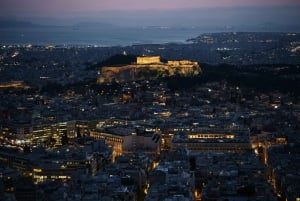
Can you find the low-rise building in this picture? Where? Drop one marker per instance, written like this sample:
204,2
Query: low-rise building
211,141
128,140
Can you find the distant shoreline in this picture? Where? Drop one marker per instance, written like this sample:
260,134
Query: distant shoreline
73,36
242,48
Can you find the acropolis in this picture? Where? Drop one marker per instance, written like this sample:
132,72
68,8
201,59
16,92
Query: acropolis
148,68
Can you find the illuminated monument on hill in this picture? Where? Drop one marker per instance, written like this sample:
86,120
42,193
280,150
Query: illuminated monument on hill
148,68
148,60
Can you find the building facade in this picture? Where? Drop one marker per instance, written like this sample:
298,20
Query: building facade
227,142
124,141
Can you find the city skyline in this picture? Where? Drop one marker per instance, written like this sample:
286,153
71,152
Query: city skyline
164,102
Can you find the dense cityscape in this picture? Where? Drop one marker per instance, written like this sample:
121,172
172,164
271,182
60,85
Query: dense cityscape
216,118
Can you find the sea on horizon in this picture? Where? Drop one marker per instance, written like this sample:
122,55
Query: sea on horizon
97,36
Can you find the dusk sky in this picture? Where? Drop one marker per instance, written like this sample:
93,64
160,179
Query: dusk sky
156,11
48,7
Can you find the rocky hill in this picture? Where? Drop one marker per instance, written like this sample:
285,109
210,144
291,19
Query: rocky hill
148,68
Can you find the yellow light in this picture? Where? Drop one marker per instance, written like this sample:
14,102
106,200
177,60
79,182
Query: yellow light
230,136
155,164
37,170
146,191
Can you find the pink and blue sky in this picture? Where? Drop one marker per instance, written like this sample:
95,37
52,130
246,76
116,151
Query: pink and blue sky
48,7
157,11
